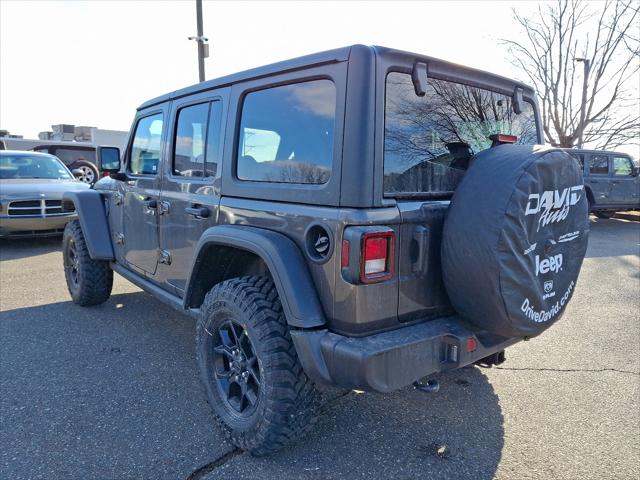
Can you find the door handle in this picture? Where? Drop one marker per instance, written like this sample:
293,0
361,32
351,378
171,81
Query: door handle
150,206
198,211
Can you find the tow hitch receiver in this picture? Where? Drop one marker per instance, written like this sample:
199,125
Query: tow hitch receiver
432,386
493,359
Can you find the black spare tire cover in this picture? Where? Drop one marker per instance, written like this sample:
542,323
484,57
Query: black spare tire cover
514,239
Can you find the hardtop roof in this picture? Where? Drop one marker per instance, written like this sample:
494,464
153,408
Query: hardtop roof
323,58
588,150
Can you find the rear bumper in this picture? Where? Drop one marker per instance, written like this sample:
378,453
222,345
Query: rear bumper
34,225
391,360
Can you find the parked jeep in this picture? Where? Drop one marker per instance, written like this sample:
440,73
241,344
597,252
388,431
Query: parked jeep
360,218
79,158
611,181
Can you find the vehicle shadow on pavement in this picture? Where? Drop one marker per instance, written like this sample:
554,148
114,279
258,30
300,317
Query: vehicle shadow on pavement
15,249
113,392
455,433
104,392
615,237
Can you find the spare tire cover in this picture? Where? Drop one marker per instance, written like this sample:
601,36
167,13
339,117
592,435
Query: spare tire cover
514,239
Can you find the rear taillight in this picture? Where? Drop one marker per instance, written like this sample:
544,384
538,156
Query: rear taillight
377,250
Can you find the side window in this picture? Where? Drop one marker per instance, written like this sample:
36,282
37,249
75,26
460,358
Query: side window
72,155
287,133
189,145
599,165
146,147
622,166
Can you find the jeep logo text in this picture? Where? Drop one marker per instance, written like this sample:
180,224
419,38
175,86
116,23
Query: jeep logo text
551,264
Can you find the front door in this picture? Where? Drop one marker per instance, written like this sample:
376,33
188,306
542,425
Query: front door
191,183
141,194
624,186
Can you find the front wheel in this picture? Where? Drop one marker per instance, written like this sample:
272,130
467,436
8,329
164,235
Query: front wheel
253,379
604,213
89,281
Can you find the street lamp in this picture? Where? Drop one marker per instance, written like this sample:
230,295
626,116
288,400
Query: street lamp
585,79
203,47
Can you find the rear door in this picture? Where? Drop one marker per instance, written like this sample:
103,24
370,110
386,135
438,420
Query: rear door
624,184
191,182
141,194
599,179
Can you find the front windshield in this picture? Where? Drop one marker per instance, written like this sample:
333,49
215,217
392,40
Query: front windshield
429,141
17,166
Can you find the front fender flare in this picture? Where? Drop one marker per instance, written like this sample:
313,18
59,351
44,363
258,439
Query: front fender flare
284,260
93,220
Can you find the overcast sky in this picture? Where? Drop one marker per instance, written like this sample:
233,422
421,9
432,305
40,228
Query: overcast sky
92,63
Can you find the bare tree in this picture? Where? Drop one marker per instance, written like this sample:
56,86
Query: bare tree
595,101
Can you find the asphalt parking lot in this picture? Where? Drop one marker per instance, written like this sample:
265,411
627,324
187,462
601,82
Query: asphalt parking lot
112,392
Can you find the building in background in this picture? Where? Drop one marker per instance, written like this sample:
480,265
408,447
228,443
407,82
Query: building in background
66,133
76,146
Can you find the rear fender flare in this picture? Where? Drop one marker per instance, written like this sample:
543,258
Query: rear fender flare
93,220
284,260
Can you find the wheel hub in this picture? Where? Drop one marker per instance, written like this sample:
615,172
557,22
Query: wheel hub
237,375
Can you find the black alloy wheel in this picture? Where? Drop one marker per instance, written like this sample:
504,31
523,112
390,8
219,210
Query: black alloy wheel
72,264
237,372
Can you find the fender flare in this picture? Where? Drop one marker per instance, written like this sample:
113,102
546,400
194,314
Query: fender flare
284,260
93,220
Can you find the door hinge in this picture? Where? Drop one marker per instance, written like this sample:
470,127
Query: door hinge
165,257
120,239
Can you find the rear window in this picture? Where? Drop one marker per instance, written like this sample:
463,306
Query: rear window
286,133
72,155
599,165
429,140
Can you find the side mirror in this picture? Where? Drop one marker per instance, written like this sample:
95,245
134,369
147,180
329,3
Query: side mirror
109,159
77,172
635,171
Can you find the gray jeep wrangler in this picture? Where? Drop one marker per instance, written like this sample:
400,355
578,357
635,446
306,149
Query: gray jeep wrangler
611,181
359,218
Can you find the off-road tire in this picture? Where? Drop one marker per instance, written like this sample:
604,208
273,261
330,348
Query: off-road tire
604,214
91,281
287,402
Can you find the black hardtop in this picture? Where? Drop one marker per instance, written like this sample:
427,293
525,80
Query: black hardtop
471,75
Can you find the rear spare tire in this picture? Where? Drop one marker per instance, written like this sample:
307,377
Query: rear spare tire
514,239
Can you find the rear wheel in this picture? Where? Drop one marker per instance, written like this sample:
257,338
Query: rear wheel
262,398
604,213
89,281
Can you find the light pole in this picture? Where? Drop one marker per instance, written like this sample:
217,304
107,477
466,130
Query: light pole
203,47
585,80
